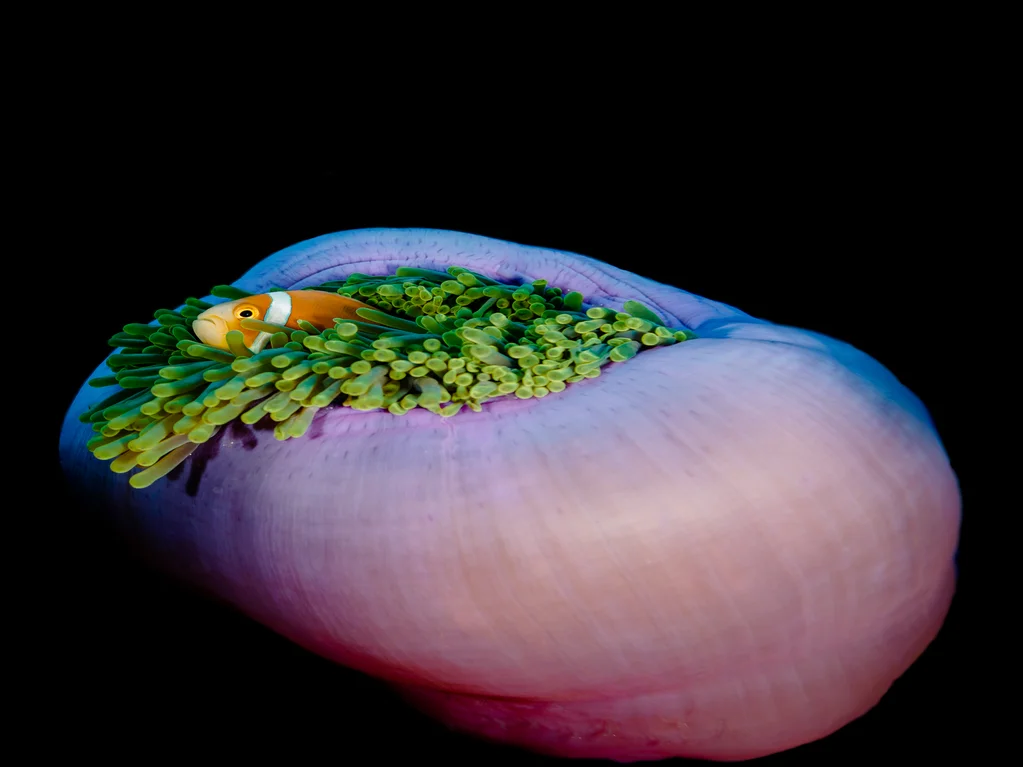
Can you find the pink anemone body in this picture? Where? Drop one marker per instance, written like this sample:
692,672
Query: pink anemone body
720,549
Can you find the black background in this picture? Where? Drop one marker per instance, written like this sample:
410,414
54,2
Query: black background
845,234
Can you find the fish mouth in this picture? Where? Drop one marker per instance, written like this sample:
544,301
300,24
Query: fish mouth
208,329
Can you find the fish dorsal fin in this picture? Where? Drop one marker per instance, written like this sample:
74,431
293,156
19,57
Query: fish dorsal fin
278,313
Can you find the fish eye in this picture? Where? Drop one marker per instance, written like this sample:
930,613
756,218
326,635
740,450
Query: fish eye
245,312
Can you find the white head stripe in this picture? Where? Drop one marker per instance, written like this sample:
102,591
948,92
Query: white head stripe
278,313
280,308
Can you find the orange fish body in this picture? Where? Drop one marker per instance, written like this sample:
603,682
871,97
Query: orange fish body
279,308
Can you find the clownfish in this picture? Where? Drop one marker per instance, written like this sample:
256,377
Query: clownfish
279,308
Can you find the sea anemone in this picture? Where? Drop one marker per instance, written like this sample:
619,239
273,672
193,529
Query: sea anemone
450,337
720,548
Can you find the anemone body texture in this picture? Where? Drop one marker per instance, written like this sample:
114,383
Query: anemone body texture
721,549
